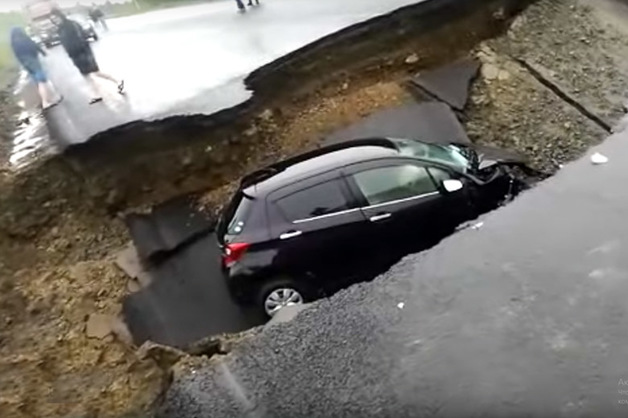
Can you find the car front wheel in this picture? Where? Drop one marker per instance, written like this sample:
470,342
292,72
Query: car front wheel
278,294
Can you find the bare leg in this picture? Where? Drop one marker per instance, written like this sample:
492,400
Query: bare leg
44,95
106,77
53,89
118,83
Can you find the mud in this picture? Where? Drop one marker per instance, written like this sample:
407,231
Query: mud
61,221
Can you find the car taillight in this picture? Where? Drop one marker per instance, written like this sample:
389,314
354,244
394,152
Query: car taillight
233,253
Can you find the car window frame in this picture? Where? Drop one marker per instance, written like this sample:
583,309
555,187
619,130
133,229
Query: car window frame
309,182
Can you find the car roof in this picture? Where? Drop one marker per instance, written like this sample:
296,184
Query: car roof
319,164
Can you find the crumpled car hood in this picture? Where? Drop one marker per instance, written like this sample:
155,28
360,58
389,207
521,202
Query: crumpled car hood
489,156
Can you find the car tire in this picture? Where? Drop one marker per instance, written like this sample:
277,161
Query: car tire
278,293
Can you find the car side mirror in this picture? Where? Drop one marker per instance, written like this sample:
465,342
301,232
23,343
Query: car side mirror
452,185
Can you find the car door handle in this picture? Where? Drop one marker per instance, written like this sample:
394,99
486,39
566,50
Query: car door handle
380,217
291,234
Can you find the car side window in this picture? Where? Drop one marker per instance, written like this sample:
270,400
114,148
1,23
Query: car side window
323,199
387,184
439,175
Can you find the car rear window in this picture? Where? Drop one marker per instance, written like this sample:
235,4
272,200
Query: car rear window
237,214
322,199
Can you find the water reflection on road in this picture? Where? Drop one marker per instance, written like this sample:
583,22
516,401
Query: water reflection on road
30,138
181,61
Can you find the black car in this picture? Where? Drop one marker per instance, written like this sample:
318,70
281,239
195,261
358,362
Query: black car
316,223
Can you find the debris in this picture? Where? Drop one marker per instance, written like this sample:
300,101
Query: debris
449,83
412,59
187,160
500,14
252,131
433,120
286,314
133,286
490,71
165,356
477,226
266,115
129,262
120,330
400,305
503,75
598,159
98,326
113,198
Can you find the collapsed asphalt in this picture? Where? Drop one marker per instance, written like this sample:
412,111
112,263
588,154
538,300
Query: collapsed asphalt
187,298
521,316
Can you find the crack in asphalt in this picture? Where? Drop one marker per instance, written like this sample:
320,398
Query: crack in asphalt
563,95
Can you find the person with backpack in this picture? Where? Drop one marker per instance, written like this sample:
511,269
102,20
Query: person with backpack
75,43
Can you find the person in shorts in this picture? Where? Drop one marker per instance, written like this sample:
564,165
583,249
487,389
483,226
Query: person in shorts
27,53
74,41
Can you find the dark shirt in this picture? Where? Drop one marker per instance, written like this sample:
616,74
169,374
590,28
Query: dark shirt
73,38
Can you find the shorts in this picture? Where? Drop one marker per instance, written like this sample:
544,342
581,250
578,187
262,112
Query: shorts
35,71
85,62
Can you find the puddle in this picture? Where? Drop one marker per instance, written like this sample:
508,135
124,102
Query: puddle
30,138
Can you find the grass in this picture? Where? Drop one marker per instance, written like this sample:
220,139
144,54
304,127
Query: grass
8,64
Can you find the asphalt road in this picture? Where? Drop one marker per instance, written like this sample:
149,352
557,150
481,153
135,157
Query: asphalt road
524,315
189,60
187,299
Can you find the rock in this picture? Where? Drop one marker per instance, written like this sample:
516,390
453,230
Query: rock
165,356
186,161
133,286
252,131
490,71
412,59
266,115
345,86
286,314
499,14
503,75
98,326
120,330
113,197
128,261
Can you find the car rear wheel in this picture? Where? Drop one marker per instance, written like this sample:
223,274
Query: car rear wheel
278,294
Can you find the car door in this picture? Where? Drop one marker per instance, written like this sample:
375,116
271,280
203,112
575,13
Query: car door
318,228
458,206
403,204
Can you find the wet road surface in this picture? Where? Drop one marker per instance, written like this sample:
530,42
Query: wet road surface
190,60
187,299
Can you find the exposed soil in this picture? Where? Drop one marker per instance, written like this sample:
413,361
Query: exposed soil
60,226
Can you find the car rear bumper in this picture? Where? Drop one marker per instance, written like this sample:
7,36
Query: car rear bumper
240,287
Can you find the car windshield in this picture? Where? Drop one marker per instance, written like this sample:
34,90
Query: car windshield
445,154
